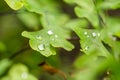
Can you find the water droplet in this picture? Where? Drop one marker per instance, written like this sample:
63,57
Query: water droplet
56,36
94,34
98,34
85,33
41,47
86,48
50,32
108,73
39,37
24,75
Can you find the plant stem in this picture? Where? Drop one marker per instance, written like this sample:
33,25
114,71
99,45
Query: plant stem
19,52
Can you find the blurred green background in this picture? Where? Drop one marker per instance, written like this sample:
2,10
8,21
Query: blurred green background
19,62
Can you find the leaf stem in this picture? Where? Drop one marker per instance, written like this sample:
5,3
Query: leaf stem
19,52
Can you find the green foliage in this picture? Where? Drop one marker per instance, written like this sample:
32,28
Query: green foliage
15,4
91,40
88,38
98,31
45,40
49,37
31,20
4,65
19,72
110,4
2,47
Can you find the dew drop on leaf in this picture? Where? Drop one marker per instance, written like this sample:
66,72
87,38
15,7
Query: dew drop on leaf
56,36
24,75
50,32
41,47
98,34
86,48
94,34
108,73
85,33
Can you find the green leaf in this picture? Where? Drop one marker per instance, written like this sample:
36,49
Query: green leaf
110,4
84,61
4,65
52,35
19,72
92,63
15,4
86,9
90,42
69,1
46,40
34,6
115,69
88,4
50,20
95,51
86,13
112,29
110,34
77,23
31,20
41,6
84,75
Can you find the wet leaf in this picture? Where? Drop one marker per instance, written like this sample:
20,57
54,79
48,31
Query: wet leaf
46,40
90,42
15,4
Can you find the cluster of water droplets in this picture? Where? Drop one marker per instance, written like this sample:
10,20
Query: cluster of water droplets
94,34
41,47
54,36
86,48
86,34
